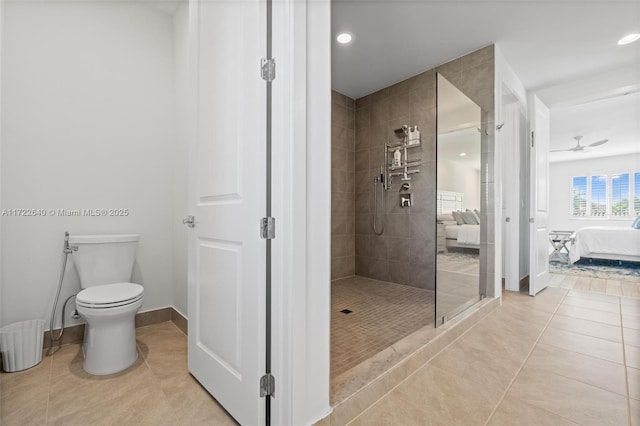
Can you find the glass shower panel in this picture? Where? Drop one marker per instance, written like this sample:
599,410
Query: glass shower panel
457,201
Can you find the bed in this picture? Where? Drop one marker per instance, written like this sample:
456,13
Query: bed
461,229
462,235
606,242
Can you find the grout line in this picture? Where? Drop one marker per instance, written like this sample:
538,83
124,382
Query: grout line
624,361
46,412
493,412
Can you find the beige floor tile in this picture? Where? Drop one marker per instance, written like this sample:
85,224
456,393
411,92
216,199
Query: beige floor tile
386,412
499,340
593,296
589,328
592,304
635,412
589,314
613,288
631,337
598,285
631,321
513,411
582,283
24,395
587,345
633,377
77,389
193,405
632,354
634,406
20,380
432,390
630,309
630,289
494,371
526,314
583,368
573,400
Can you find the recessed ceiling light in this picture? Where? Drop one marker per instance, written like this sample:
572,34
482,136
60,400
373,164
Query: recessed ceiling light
630,38
344,38
463,154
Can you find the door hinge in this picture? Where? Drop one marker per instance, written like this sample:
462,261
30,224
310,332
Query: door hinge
268,69
267,385
268,228
532,138
530,220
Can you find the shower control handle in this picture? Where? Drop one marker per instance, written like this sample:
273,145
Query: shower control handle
190,221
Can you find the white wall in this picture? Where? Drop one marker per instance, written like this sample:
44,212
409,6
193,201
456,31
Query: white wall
87,123
560,175
180,155
456,177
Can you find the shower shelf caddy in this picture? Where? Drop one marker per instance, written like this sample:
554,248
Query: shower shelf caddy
406,166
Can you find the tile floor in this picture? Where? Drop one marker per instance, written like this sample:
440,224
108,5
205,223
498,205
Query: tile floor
382,314
156,390
565,357
615,287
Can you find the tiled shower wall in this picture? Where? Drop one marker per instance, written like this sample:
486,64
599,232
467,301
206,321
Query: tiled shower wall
405,252
342,186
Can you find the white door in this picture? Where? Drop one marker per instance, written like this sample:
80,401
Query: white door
227,199
539,204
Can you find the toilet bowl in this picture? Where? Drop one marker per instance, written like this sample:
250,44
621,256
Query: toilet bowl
109,344
108,301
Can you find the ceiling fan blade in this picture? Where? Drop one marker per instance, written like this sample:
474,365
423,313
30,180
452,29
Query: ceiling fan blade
561,150
603,141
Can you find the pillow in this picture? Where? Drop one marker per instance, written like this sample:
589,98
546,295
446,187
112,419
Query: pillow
444,217
469,218
457,216
636,223
477,216
477,212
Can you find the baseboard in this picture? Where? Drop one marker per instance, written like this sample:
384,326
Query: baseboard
75,333
180,321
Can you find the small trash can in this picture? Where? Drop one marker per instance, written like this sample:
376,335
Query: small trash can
21,345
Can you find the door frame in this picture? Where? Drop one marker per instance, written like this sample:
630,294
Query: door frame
301,256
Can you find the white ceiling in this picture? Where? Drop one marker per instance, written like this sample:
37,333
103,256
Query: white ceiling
564,51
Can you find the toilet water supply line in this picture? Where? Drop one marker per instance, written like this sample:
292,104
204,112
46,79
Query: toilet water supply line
66,250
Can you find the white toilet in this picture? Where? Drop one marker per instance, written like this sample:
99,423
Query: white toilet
108,301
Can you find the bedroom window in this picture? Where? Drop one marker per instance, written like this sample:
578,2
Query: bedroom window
601,196
579,196
636,194
620,195
598,196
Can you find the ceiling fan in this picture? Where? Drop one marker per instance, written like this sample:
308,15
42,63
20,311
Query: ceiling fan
579,147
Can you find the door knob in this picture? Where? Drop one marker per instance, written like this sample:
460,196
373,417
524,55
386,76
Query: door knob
189,221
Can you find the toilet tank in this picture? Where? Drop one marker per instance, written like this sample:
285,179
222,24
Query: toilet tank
104,259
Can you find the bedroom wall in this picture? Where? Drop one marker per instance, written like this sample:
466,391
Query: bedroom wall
456,177
560,175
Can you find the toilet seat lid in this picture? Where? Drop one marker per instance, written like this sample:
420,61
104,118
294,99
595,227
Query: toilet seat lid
109,294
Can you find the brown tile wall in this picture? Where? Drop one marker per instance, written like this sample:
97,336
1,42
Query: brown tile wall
405,252
342,186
